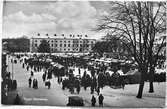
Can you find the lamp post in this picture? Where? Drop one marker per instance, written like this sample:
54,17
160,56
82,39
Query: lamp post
12,67
8,62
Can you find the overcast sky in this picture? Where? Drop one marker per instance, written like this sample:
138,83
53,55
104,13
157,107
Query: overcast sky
30,18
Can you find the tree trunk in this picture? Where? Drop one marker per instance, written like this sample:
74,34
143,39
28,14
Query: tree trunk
151,79
141,85
140,91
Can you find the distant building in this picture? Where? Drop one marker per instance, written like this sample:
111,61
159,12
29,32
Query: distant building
62,43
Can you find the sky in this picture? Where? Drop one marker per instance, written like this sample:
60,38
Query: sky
60,17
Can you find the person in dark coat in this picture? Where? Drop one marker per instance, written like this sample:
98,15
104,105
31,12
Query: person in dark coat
23,65
30,81
44,77
27,68
32,73
17,100
98,90
79,71
49,84
123,84
34,83
93,100
92,90
101,98
63,84
78,89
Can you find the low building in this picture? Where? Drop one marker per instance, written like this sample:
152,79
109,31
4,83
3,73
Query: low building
70,43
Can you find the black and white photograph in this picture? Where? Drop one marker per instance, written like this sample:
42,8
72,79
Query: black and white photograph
86,54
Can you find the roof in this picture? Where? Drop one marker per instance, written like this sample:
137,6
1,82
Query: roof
62,37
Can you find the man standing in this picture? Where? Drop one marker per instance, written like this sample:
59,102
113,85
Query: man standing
101,98
79,71
98,90
78,89
93,100
32,73
30,81
44,77
49,84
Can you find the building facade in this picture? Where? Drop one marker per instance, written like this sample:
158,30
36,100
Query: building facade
64,44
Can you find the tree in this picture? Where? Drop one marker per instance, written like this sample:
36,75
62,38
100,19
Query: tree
44,47
18,44
110,44
138,24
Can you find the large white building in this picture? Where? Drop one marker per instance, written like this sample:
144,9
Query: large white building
63,43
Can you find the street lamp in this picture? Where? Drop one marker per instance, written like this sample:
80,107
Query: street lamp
12,67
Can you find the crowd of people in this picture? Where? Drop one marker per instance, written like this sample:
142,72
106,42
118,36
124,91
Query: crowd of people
94,76
95,80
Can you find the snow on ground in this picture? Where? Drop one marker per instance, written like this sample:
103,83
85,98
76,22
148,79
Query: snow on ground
112,97
127,97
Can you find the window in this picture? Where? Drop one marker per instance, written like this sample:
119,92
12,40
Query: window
64,49
80,45
80,41
35,40
52,41
55,45
52,45
64,41
60,45
64,45
35,45
68,49
68,45
55,35
62,34
60,41
68,41
56,40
